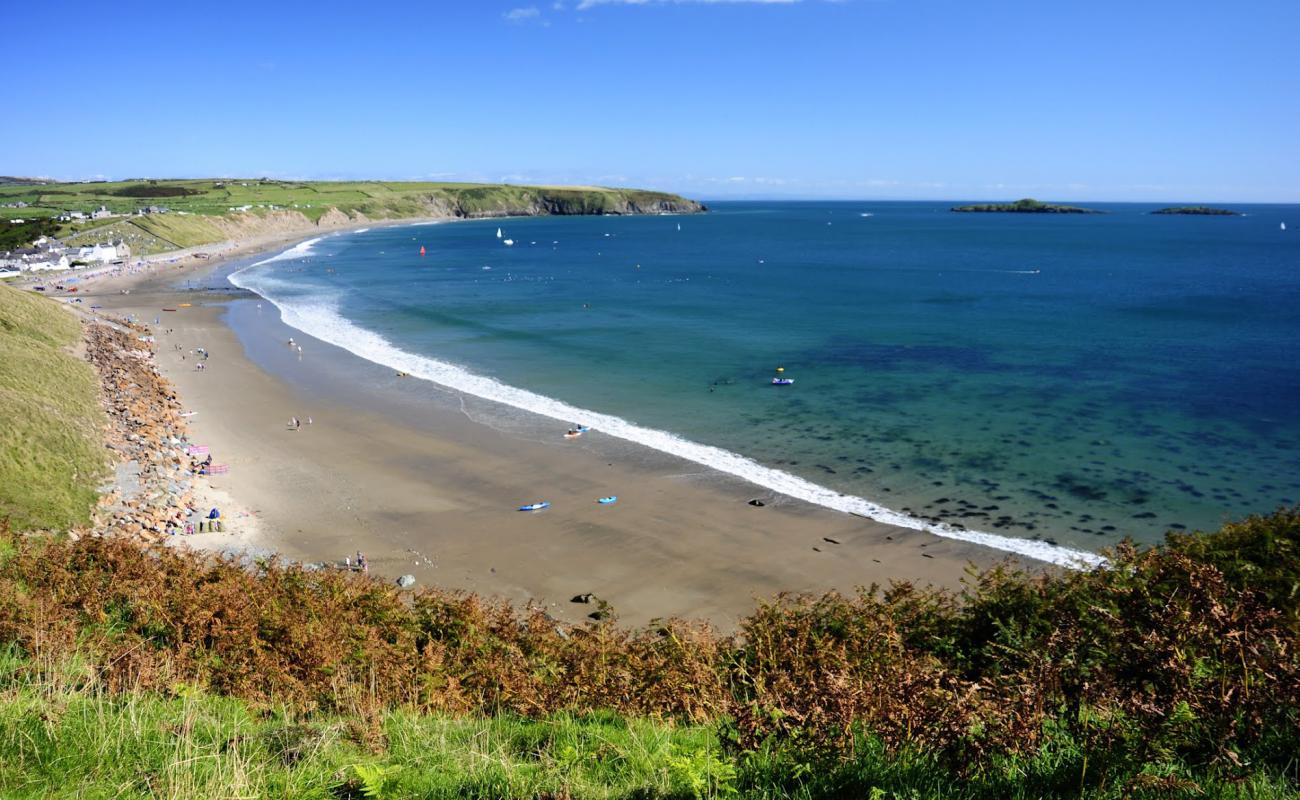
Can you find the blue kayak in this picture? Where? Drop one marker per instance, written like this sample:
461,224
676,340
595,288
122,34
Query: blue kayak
536,506
613,498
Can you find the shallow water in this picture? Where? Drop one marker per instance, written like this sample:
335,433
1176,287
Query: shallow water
1066,378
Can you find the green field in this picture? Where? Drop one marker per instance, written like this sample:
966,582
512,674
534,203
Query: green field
51,456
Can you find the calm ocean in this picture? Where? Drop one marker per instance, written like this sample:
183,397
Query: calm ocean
1050,379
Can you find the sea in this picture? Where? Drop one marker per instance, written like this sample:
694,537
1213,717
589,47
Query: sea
1043,384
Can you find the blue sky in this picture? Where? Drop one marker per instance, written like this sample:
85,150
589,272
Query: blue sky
1100,100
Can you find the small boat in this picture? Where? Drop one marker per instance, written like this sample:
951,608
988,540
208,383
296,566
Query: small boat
782,381
576,431
498,233
605,501
422,250
536,506
508,242
1283,226
679,226
185,305
169,309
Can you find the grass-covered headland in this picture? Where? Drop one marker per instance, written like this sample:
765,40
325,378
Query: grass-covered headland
136,672
160,215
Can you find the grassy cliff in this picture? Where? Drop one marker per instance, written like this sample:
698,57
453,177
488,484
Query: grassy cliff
206,211
51,453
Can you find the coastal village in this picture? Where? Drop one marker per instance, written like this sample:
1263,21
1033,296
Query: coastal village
54,255
50,254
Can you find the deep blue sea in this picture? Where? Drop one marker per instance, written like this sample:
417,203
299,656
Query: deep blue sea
1047,378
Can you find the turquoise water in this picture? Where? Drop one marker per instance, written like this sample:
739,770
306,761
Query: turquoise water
1071,379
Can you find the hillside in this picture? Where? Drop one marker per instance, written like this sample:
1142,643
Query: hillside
51,454
204,211
144,672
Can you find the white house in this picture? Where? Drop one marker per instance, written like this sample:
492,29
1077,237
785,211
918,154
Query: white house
46,262
101,253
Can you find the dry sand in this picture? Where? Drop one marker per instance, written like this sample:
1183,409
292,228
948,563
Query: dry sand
436,496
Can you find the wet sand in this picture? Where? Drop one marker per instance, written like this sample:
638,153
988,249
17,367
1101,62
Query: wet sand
406,475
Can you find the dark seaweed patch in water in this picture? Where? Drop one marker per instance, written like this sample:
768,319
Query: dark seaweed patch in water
951,299
1078,488
877,356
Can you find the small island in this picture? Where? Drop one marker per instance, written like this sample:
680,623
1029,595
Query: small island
1198,211
1025,206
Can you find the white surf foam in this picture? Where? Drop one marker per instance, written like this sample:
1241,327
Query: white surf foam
299,250
319,317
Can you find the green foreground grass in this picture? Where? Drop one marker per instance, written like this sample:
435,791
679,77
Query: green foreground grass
51,456
61,736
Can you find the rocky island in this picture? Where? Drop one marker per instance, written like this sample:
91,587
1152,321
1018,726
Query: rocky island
1198,211
1025,206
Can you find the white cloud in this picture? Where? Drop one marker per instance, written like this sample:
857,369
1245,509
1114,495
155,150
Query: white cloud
519,15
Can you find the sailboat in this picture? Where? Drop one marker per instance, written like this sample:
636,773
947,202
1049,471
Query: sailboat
498,233
1283,226
679,226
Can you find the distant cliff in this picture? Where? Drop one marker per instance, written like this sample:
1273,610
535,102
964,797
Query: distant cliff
516,201
1026,206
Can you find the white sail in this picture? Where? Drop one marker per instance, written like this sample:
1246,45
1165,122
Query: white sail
1283,226
498,233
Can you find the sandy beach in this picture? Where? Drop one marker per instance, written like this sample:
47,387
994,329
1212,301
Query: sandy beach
410,479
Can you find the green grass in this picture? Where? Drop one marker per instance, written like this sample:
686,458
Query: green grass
183,231
62,735
51,456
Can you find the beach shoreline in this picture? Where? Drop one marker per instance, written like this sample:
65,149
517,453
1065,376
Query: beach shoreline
424,489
